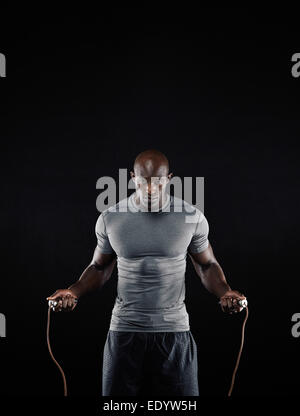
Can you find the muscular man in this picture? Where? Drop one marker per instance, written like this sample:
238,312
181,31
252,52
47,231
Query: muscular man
149,237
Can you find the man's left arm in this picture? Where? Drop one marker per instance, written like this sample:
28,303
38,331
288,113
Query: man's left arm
213,279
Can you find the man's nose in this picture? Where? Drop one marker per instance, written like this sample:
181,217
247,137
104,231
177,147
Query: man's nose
151,189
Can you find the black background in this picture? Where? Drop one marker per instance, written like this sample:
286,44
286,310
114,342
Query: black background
84,94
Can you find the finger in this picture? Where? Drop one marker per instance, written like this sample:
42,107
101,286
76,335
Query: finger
70,301
64,302
74,305
54,296
223,303
229,304
235,305
237,309
230,308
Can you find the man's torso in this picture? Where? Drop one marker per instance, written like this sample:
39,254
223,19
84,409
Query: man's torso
151,250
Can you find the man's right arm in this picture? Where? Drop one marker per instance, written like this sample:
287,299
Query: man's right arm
92,278
96,274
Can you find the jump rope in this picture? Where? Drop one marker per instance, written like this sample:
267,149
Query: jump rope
243,303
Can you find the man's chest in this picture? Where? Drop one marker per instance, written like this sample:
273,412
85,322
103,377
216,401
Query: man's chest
142,234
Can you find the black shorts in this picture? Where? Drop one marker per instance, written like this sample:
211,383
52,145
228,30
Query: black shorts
165,362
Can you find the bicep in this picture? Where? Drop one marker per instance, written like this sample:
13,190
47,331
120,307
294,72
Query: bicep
103,259
203,258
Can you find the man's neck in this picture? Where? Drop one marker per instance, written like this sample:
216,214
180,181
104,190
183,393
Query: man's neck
162,202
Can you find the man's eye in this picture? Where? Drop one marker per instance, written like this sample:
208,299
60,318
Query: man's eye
158,181
163,180
141,181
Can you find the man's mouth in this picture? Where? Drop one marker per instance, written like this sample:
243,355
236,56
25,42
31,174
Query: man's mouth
152,198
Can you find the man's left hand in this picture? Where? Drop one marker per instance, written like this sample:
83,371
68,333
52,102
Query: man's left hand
229,301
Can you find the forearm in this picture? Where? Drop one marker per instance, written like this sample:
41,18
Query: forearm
212,277
91,279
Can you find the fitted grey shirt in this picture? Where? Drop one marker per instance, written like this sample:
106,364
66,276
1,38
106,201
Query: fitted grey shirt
151,249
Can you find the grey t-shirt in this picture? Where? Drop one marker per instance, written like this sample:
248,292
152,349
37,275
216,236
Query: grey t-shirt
151,250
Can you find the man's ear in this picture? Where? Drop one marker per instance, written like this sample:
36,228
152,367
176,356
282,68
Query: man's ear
170,175
133,177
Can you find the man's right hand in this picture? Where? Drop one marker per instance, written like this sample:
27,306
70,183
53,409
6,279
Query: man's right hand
66,300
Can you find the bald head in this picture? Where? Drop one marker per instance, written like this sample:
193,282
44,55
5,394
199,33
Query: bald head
151,175
151,163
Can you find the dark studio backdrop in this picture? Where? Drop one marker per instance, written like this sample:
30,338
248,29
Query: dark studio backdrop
213,90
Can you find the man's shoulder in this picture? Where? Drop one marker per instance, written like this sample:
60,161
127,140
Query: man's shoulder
186,206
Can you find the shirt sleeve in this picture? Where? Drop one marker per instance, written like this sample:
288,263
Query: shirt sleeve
102,237
200,240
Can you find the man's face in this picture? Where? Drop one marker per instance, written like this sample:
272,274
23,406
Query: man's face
151,191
